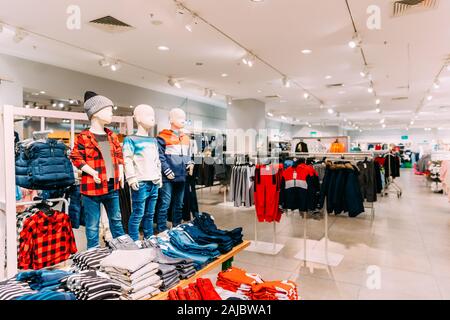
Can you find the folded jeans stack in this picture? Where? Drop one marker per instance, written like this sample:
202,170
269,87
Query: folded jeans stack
238,281
275,290
225,243
123,243
202,289
135,271
90,259
170,250
88,285
183,241
205,222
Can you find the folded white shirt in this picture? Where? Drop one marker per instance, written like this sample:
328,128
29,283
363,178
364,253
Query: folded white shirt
131,260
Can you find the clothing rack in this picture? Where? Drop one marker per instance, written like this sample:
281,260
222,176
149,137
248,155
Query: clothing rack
7,173
390,180
314,257
62,200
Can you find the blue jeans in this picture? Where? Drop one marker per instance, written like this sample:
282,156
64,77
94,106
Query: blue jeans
143,204
91,207
171,192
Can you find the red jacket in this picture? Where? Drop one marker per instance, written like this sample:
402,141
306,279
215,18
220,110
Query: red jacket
87,152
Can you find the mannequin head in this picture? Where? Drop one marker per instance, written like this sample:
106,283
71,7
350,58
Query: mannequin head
103,117
144,116
177,119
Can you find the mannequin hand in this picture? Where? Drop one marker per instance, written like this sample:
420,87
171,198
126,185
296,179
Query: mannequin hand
190,168
135,186
96,178
92,173
171,176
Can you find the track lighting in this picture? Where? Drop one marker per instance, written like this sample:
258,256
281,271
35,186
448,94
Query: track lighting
116,66
355,42
248,60
191,25
174,83
229,100
364,73
436,84
377,101
306,95
370,89
61,105
104,62
286,82
19,35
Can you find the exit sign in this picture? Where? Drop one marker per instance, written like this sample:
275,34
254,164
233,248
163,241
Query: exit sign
313,133
405,137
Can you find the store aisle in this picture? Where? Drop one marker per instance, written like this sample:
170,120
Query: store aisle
407,240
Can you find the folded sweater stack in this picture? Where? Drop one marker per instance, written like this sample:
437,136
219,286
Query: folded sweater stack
202,289
275,290
238,281
90,259
135,271
88,285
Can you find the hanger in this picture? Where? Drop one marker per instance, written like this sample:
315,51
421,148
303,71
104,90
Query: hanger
45,206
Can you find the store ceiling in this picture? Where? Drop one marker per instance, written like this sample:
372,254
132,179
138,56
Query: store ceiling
404,56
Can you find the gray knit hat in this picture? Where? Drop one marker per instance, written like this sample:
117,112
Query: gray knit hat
93,103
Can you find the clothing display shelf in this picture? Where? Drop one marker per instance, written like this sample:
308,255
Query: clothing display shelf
324,140
312,250
8,238
391,186
224,260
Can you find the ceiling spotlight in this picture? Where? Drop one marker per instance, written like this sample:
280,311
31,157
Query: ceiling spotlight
115,108
27,105
283,118
309,125
370,89
53,103
321,106
436,84
248,60
19,35
116,66
306,51
328,77
360,130
330,111
430,97
383,126
306,95
286,82
42,92
378,110
382,120
191,25
104,62
412,122
224,75
229,100
174,83
61,105
355,42
71,101
163,48
270,114
377,102
131,107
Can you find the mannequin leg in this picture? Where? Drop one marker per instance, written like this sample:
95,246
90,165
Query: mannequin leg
177,206
150,204
111,203
91,207
166,197
138,198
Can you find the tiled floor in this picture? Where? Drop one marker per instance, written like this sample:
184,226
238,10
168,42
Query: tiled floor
409,240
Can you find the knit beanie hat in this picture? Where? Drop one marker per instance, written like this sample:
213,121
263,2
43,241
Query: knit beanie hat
93,103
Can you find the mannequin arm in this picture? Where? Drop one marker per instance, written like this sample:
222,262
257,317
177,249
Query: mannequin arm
91,172
162,158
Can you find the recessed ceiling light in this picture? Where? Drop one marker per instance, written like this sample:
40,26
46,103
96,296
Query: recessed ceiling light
224,75
61,105
131,107
270,114
378,110
283,117
378,101
383,125
328,77
436,84
42,92
116,66
382,121
259,91
306,51
35,93
330,111
411,123
430,97
306,95
115,108
370,89
163,48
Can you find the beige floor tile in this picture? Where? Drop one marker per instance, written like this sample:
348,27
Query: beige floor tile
417,262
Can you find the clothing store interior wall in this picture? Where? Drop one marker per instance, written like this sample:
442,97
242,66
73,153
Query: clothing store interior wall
179,146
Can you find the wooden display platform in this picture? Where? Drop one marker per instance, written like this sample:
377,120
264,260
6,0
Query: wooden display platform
224,260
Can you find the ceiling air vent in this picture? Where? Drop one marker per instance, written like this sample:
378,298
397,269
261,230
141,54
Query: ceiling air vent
275,96
335,85
404,7
399,98
110,24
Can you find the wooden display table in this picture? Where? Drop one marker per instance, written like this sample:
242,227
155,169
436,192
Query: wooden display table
225,259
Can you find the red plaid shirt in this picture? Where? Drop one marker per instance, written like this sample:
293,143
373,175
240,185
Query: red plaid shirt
87,152
45,240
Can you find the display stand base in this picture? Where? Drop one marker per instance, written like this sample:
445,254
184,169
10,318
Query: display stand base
265,247
226,204
315,252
